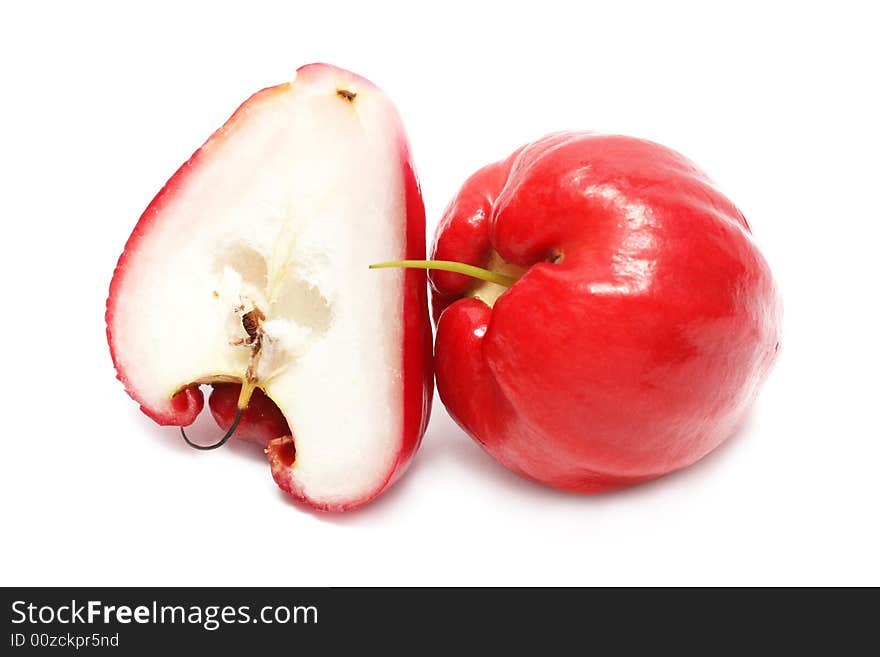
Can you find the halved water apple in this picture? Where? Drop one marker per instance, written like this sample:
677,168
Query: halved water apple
249,272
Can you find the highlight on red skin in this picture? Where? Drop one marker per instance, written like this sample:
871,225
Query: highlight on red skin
186,404
638,336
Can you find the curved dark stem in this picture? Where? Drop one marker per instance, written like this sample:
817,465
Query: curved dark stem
222,440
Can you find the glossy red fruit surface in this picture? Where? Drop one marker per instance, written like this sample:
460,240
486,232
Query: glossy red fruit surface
641,328
260,422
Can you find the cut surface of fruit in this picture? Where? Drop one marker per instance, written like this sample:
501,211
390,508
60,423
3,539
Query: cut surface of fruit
250,267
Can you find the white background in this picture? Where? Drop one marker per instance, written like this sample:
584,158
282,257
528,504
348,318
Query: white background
777,102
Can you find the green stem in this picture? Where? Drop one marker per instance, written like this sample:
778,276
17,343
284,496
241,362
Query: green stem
454,267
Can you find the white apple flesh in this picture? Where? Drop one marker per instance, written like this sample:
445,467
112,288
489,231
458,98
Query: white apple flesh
251,266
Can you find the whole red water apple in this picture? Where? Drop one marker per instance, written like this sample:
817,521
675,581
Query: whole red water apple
604,315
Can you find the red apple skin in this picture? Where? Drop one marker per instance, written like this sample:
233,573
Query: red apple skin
638,336
258,426
260,422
